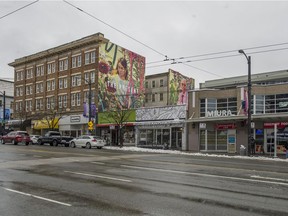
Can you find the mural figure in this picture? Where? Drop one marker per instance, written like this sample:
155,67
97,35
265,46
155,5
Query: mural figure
121,78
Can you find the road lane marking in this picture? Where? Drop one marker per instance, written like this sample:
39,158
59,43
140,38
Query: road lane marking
38,197
99,176
268,178
100,163
203,174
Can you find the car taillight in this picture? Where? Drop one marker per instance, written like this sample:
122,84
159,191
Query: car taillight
94,140
18,137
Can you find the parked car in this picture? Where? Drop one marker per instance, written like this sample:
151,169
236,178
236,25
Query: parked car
34,138
88,142
16,137
54,138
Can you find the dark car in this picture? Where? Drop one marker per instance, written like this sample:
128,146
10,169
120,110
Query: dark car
16,137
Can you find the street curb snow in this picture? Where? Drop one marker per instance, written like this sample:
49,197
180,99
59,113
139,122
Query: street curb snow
159,151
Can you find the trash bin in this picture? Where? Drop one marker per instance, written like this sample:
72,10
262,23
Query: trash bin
242,150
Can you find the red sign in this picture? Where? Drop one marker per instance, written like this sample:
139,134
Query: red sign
279,124
225,126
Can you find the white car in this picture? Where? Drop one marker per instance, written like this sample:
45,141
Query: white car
86,141
34,138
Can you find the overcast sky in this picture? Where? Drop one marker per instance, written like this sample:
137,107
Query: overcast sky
164,28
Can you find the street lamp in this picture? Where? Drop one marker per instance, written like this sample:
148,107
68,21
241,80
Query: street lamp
4,101
249,100
90,101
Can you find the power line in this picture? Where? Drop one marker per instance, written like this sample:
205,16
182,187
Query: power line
218,57
224,52
166,57
18,9
105,23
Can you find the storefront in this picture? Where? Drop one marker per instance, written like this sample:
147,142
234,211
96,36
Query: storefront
73,125
161,127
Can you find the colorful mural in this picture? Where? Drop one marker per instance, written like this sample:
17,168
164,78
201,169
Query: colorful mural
179,86
121,78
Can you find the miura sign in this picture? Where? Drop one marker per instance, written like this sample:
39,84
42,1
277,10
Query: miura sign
219,113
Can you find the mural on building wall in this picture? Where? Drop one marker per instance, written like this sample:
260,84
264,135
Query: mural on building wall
161,113
179,86
121,78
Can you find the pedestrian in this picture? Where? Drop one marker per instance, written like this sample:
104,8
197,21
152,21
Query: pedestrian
252,142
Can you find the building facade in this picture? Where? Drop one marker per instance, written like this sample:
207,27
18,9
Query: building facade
217,116
6,95
169,88
74,82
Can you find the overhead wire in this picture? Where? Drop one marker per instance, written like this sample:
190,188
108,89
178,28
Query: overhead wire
18,9
149,47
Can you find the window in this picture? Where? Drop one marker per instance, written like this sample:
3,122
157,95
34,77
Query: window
40,70
75,99
53,84
76,80
76,61
50,102
51,68
153,97
63,64
90,57
39,104
62,101
209,105
86,96
29,73
161,97
153,84
60,83
161,82
146,84
89,77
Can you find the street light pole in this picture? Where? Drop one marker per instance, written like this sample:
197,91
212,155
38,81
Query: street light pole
249,100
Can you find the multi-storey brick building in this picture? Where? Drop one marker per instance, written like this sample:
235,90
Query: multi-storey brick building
68,78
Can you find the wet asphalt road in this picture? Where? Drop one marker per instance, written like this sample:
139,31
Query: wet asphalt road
44,180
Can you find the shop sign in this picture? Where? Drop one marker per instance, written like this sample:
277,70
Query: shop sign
279,124
219,113
74,118
225,126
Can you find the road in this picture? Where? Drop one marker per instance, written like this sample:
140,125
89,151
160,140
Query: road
43,180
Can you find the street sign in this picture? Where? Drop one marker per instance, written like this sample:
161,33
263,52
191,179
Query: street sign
90,124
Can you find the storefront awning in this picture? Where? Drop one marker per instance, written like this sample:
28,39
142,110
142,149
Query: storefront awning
44,124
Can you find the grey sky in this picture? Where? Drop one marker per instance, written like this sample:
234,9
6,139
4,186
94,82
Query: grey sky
173,28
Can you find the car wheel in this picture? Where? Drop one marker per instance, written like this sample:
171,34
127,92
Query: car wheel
88,145
73,145
27,143
2,141
39,142
55,143
14,142
99,147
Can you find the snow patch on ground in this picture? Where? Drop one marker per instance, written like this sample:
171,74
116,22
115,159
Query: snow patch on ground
160,151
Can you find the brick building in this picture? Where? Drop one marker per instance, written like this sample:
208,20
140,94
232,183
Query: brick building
72,78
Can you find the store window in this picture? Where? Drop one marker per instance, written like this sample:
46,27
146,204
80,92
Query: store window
209,105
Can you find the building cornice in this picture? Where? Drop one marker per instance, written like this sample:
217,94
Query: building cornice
97,38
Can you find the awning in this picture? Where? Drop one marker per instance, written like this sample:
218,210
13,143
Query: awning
44,124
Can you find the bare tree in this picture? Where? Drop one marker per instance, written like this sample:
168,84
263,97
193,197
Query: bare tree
120,118
50,117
